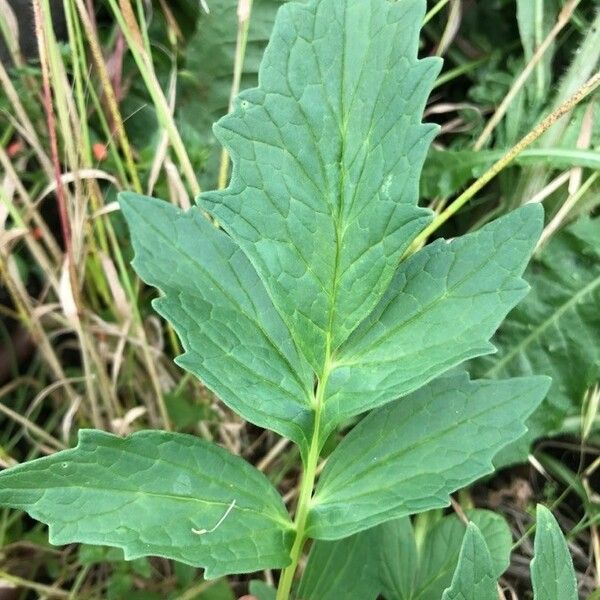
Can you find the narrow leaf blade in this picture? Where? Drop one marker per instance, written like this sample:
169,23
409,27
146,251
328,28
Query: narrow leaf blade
156,493
327,153
234,339
552,572
408,456
474,577
442,308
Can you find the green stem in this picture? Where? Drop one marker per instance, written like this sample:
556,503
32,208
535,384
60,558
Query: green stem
306,490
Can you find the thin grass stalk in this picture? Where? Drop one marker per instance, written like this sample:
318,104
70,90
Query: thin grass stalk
29,319
506,160
584,64
78,60
563,20
108,90
30,212
29,132
48,107
129,26
565,209
244,13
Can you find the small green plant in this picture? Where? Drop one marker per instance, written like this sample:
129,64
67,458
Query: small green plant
305,308
437,560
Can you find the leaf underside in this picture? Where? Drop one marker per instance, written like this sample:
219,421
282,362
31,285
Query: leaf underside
147,493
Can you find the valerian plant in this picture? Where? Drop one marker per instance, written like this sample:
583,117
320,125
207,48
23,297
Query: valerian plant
303,309
444,560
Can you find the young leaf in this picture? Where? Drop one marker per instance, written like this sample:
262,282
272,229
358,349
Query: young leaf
327,153
386,558
552,572
442,307
408,456
156,493
234,339
554,331
439,555
474,577
347,568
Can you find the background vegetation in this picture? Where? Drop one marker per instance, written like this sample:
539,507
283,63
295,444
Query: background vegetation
121,94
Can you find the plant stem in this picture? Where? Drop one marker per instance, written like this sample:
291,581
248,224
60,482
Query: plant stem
306,489
566,107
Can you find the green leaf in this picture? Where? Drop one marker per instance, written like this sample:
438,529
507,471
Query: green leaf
439,555
327,154
474,577
261,590
442,308
234,339
552,572
347,568
152,493
408,456
386,560
554,331
398,559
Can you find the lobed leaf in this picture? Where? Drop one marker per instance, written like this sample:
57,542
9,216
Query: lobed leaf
159,494
408,456
442,308
327,153
554,331
552,572
474,577
234,339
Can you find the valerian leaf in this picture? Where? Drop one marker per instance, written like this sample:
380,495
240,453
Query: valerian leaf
234,339
387,560
552,572
439,553
327,153
156,494
554,331
347,568
408,456
474,576
442,308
